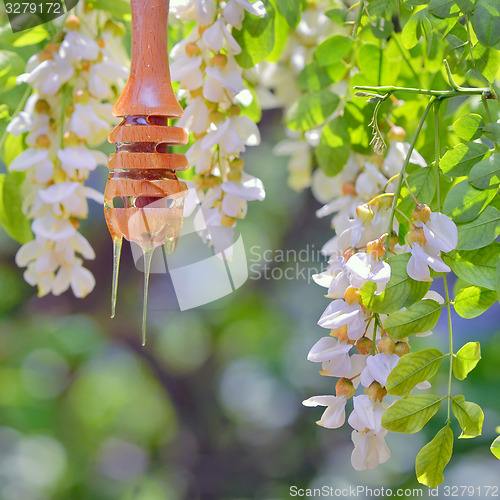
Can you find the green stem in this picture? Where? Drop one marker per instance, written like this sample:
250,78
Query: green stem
488,114
403,170
357,22
19,107
375,324
437,151
406,60
450,339
439,94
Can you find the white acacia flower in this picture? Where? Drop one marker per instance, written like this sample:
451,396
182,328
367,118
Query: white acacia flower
36,159
395,157
370,450
187,71
339,313
102,76
378,368
237,194
76,47
333,355
423,258
196,117
232,135
367,414
91,121
440,232
334,415
234,11
218,36
222,80
370,181
300,163
77,161
48,77
75,275
363,268
335,278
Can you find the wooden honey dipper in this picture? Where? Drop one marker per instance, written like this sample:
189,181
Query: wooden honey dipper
144,200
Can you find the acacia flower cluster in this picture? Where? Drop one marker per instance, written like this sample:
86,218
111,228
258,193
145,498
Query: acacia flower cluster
212,85
358,351
279,87
74,78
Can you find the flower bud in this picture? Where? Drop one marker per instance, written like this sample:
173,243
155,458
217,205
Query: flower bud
234,175
116,28
342,333
52,47
45,55
364,345
351,295
348,253
72,22
393,240
345,387
237,163
42,106
227,221
81,97
348,188
192,49
364,212
219,60
70,139
396,134
416,236
42,142
401,348
376,391
376,248
386,345
211,181
421,212
234,110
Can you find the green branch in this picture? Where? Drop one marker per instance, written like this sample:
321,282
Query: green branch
403,169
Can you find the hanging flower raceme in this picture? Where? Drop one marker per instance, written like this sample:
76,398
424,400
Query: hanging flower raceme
73,79
212,84
358,350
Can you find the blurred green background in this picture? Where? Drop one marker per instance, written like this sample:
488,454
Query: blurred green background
211,407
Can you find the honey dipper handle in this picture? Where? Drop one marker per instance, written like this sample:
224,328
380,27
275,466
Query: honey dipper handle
148,90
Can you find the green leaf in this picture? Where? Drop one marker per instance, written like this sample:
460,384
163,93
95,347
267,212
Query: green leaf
465,202
433,458
357,116
468,127
481,231
472,301
486,173
12,217
315,77
492,131
443,8
495,447
334,147
477,267
312,109
410,413
457,162
486,22
409,35
290,10
466,359
256,38
376,66
466,6
470,416
333,49
30,37
400,291
421,317
11,65
423,185
118,8
412,369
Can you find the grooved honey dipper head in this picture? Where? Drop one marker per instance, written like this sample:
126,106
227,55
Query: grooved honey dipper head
144,200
